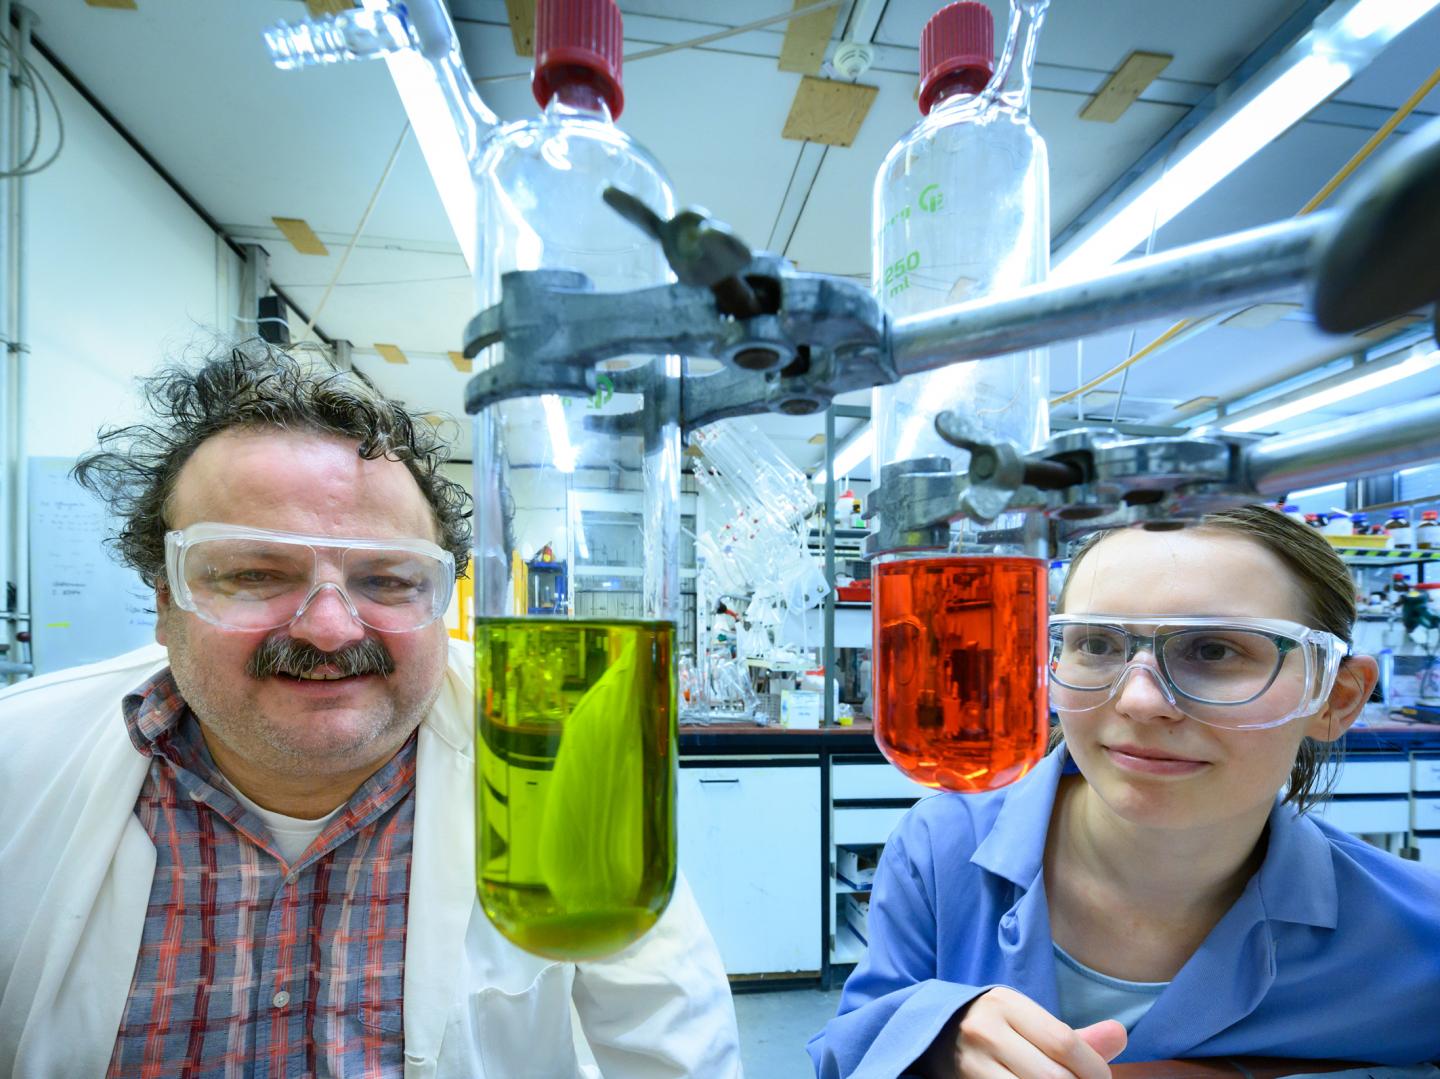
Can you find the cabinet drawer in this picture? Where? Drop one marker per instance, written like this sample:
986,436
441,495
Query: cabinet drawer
1361,776
1425,814
1425,773
873,781
1429,848
866,825
1362,816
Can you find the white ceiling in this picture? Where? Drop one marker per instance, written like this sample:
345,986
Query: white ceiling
192,84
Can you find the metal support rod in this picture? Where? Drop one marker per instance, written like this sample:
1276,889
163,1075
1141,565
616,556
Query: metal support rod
1245,268
828,531
1378,441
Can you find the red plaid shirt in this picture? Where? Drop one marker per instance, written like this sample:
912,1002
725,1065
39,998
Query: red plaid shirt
248,967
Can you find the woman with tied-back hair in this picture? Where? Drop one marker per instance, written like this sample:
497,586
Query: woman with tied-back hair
1157,887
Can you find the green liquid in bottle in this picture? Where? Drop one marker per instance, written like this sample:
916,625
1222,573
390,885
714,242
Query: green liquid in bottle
574,780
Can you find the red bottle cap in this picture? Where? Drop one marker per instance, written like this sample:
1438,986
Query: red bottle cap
956,47
579,41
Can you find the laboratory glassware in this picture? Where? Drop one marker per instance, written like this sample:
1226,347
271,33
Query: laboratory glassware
961,210
576,709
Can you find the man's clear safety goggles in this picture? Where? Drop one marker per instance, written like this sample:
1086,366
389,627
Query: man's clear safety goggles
255,579
1237,673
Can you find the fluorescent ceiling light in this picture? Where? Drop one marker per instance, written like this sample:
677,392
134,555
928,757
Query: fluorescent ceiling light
1325,490
559,434
1384,17
1344,41
858,447
1268,115
440,142
1353,387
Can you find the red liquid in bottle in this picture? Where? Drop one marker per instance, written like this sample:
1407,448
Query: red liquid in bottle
959,694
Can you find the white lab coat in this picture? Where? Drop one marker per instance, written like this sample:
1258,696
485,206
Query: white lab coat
76,868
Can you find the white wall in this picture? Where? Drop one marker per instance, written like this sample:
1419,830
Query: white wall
121,274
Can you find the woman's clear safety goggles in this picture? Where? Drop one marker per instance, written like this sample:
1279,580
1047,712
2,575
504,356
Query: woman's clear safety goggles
255,579
1237,673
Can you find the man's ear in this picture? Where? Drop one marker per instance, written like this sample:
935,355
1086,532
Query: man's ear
1353,684
163,610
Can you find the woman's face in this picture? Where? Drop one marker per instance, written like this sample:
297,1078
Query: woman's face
1148,762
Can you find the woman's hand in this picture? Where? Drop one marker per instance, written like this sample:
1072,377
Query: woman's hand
1003,1033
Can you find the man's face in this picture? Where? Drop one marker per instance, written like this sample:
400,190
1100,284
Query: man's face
318,485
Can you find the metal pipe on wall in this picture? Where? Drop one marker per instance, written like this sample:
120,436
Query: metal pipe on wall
17,347
9,407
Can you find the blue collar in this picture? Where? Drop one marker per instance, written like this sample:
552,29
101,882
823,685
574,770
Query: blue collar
1296,882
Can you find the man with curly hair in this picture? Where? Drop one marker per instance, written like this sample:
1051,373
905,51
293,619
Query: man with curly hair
250,851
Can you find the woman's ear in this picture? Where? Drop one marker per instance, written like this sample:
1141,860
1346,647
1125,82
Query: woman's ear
1353,684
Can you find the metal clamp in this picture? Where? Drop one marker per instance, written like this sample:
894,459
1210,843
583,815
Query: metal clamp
789,342
813,337
1087,476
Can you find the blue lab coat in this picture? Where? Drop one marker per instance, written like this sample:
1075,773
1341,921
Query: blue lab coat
1332,950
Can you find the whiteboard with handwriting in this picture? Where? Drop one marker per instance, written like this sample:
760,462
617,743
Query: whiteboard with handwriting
84,605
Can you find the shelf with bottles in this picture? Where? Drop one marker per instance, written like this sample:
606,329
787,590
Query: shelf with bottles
1381,557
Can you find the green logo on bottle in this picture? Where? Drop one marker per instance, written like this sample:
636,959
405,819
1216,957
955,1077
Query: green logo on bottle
604,390
931,198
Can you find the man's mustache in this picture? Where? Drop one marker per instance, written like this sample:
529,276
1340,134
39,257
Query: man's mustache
282,654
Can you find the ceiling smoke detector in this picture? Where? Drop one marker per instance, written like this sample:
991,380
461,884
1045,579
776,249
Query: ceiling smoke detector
853,58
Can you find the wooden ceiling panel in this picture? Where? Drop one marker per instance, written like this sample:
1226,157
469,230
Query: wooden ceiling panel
1124,87
828,111
522,25
807,38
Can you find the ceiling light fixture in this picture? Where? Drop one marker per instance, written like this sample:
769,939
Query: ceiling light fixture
560,443
858,445
1341,389
1342,42
434,94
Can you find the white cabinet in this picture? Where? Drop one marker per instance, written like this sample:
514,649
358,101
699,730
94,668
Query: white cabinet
1425,773
750,847
873,781
1366,816
868,802
1374,796
1379,776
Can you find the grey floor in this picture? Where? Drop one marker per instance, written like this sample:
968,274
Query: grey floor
774,1028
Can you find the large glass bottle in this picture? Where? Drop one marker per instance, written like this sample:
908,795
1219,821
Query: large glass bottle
575,673
961,210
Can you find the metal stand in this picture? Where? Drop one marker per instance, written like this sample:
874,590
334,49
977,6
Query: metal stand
790,342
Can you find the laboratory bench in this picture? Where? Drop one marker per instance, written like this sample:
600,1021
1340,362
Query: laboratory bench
767,815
